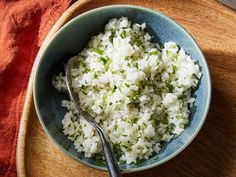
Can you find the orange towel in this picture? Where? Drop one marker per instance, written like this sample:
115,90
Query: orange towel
23,26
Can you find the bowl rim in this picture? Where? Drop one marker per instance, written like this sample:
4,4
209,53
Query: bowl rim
158,13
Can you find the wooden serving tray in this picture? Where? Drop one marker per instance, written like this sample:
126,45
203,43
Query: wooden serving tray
211,154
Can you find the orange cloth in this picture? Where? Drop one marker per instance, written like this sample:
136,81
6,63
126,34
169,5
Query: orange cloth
23,26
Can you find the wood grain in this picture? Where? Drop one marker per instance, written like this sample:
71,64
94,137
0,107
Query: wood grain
211,154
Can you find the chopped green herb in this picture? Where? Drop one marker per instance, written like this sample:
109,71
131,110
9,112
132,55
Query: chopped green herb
156,122
174,68
112,36
132,58
123,34
168,52
86,70
134,103
127,85
83,64
133,121
114,89
117,150
103,60
139,42
124,146
95,75
164,118
124,119
106,62
84,92
104,97
170,87
72,136
118,108
115,127
122,71
98,51
181,97
122,101
153,53
136,92
127,147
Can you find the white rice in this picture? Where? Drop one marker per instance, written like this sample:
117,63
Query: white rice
137,91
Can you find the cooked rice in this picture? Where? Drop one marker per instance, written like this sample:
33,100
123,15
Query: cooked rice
138,91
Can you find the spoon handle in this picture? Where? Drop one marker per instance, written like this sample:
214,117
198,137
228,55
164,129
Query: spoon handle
112,165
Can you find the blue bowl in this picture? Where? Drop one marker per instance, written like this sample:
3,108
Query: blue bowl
73,37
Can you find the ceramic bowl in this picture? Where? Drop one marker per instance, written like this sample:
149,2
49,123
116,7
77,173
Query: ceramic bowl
72,38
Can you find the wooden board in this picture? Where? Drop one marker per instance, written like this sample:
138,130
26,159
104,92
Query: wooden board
211,154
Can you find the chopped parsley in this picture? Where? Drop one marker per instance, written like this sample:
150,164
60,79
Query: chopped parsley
168,52
98,51
138,42
117,150
174,68
115,127
122,71
123,34
112,36
183,96
153,53
114,89
106,62
127,85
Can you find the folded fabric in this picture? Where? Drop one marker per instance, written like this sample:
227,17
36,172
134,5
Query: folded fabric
23,26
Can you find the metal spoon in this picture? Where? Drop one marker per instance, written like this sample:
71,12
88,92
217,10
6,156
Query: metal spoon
111,162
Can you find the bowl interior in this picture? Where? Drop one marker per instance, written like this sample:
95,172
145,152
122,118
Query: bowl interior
73,37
